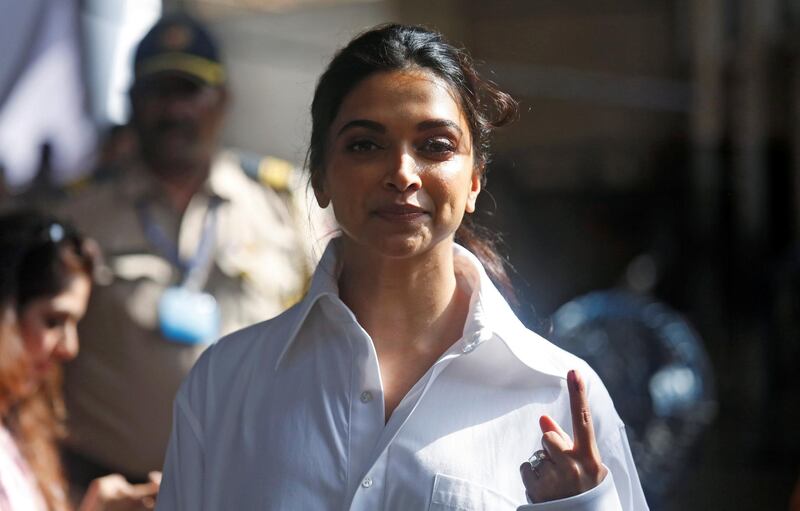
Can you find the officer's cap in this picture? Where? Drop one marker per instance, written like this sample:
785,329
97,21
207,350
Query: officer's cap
179,44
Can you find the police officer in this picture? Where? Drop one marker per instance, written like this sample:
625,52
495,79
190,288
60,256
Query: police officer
195,248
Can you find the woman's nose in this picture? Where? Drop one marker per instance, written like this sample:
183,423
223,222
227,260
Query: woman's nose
67,347
404,173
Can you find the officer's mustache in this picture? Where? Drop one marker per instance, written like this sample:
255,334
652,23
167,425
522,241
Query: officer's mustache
172,125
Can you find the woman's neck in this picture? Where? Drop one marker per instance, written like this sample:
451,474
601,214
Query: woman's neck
410,303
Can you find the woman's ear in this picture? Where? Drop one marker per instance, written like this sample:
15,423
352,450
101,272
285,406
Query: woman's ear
318,183
475,189
322,199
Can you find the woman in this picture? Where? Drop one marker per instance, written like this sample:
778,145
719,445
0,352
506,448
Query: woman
45,281
402,380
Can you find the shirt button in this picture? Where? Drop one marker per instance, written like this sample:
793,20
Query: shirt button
366,483
366,396
472,343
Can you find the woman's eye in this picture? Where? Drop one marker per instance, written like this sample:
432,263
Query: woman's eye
438,146
362,146
53,321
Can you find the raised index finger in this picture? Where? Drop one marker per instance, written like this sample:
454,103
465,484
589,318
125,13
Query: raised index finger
582,427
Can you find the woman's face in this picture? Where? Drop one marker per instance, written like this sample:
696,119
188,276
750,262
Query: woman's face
48,325
399,166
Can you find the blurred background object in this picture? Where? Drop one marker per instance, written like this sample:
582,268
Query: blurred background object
668,128
44,127
111,31
657,371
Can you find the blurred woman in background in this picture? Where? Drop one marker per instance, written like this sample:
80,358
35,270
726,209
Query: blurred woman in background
46,273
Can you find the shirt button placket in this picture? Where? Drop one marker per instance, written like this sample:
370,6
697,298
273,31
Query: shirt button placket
366,396
371,488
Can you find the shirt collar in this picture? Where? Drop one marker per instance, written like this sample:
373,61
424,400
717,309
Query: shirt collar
324,282
489,314
226,178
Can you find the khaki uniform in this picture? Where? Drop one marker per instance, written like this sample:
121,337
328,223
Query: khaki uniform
120,388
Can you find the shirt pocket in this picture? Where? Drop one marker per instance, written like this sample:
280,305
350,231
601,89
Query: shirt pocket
454,494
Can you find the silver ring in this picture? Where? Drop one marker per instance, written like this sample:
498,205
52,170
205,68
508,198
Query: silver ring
537,458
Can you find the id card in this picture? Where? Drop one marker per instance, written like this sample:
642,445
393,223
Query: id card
188,317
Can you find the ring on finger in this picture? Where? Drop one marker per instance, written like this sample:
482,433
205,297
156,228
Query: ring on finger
536,459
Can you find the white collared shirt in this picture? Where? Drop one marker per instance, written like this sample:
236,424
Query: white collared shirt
288,415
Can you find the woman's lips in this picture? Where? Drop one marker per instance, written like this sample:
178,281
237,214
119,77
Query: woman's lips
400,212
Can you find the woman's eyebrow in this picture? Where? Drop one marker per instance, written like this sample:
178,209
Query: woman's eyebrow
439,123
363,123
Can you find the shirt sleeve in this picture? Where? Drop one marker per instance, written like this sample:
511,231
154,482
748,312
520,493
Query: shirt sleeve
183,469
617,456
602,497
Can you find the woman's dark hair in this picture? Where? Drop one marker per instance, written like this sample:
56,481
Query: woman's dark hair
39,255
396,47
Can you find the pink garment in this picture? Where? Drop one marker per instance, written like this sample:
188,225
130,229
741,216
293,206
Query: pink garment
18,488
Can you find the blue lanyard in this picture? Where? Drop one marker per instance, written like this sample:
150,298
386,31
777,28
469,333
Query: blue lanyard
195,269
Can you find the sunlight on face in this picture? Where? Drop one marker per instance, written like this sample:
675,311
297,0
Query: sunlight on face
49,325
399,167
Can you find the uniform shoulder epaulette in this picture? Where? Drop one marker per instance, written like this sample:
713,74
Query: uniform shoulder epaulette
76,186
268,170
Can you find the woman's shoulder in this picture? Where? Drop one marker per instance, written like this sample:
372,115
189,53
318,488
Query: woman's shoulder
541,354
538,352
244,352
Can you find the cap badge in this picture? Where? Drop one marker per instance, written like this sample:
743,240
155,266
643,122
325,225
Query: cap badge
176,37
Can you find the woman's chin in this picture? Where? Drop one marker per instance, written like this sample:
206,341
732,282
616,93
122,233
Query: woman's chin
398,247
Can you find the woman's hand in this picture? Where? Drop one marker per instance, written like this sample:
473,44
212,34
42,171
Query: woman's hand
569,468
114,493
